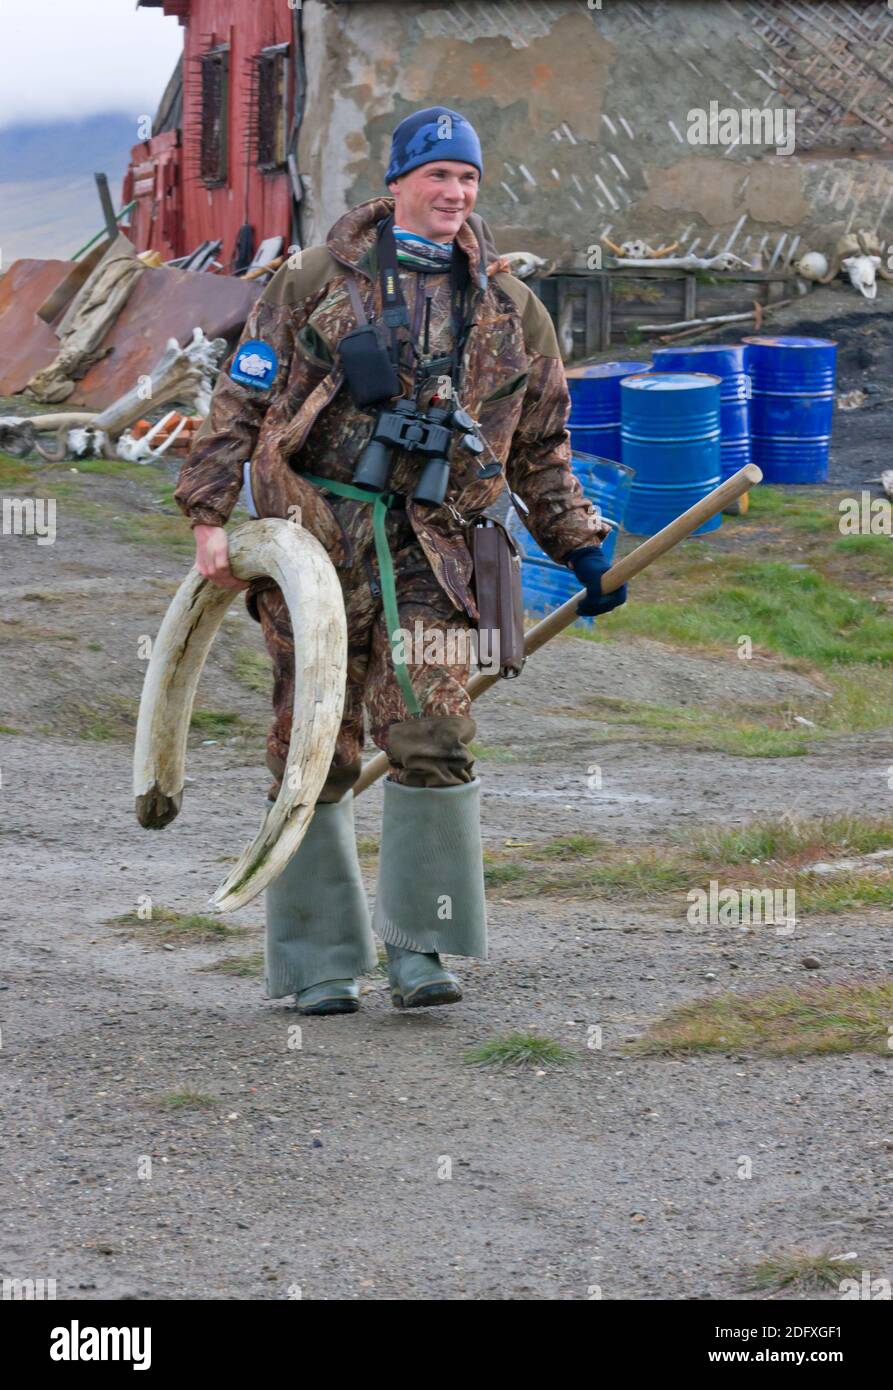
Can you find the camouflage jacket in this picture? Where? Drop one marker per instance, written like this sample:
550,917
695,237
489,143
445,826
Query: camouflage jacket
512,382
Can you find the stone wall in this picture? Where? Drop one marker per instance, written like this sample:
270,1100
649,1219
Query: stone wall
584,112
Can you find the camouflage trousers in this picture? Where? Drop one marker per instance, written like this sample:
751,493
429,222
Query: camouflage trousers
431,750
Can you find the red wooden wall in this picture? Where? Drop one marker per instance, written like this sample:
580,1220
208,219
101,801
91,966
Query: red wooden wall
175,210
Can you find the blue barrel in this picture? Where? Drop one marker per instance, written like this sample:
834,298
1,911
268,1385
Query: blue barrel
545,584
671,437
792,401
726,362
594,421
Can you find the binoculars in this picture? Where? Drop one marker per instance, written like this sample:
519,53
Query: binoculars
404,426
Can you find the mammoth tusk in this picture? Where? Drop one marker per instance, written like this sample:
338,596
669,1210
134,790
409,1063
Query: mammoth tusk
833,270
664,250
309,582
57,453
611,247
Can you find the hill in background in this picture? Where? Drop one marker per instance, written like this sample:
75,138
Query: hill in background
48,201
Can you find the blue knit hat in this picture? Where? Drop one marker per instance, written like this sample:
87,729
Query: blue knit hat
435,133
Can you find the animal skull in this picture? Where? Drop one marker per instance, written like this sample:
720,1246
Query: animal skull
812,266
637,250
862,271
856,244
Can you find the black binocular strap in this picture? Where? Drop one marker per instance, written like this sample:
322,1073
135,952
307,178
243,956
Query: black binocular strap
394,311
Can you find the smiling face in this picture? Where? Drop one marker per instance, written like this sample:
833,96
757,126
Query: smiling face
435,199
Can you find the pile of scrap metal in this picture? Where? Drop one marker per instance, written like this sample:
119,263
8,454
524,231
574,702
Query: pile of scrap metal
113,336
184,376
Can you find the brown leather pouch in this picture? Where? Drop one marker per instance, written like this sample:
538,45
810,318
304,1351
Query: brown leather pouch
497,583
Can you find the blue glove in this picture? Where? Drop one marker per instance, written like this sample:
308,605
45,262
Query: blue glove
589,564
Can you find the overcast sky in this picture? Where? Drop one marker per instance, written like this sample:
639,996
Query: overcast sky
64,59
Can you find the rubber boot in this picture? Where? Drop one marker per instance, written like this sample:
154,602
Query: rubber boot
430,895
318,927
419,980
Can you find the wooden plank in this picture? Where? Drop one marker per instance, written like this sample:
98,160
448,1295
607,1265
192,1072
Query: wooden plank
595,291
690,310
605,312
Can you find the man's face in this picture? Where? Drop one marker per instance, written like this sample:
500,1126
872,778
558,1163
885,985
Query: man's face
435,199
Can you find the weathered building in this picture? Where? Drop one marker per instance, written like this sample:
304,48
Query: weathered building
649,120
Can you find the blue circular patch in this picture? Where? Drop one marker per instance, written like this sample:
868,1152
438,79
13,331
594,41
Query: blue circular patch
255,364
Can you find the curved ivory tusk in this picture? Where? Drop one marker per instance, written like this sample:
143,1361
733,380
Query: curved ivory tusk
57,453
833,270
309,582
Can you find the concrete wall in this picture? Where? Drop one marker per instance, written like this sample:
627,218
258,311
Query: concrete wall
584,115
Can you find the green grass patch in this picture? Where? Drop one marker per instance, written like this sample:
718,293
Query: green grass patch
187,1099
843,892
816,513
486,753
519,1050
875,552
800,1272
859,700
254,669
792,840
153,529
109,718
718,730
570,846
367,847
8,729
241,967
214,723
541,873
16,474
804,1020
579,866
796,613
161,524
169,927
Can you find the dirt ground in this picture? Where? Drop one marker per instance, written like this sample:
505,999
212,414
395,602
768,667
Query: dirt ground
321,1169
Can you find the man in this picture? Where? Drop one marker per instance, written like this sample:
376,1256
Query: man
457,331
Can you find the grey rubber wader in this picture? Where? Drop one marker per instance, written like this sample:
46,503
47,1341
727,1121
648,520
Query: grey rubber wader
430,894
318,923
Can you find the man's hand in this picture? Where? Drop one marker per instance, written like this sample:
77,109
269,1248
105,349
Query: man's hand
212,557
589,564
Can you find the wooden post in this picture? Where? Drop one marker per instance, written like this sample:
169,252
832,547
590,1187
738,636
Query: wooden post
594,292
108,207
604,327
690,310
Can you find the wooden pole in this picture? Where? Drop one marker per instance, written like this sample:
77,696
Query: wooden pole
108,207
631,565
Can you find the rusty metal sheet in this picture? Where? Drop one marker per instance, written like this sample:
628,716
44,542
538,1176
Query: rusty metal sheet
26,342
164,304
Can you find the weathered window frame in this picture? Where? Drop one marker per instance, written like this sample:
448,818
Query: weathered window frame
214,150
271,130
